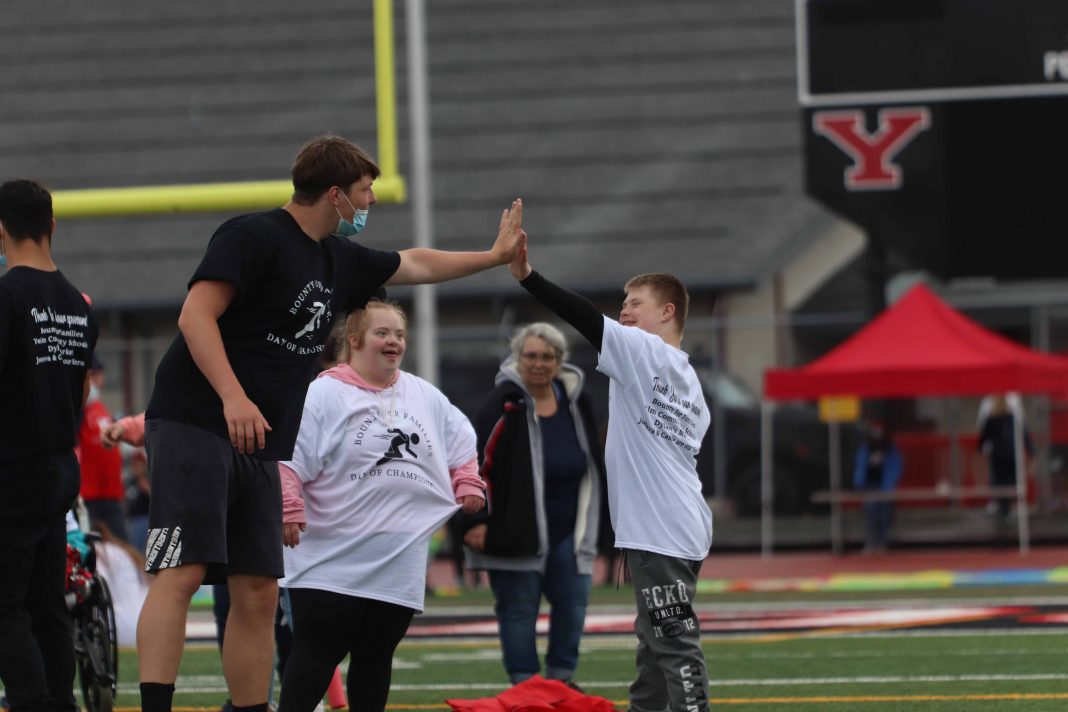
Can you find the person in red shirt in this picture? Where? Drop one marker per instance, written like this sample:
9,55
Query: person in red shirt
102,487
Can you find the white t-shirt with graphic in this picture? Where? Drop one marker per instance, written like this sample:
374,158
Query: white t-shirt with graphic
375,473
657,417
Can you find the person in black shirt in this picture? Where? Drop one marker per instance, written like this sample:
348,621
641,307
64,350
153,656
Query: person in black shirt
47,335
997,440
230,391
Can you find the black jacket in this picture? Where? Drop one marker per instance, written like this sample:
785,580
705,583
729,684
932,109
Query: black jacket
506,465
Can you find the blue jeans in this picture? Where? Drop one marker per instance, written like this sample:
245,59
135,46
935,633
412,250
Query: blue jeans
877,519
518,596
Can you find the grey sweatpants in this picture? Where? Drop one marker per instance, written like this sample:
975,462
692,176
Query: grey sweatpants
672,676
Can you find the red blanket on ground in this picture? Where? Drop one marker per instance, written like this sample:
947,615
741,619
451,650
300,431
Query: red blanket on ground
535,695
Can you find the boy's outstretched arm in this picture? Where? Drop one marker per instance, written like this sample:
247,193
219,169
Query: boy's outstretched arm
422,265
575,309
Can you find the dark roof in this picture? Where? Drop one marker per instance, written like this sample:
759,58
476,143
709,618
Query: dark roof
641,135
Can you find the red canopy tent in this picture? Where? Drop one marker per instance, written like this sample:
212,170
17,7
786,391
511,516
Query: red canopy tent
920,346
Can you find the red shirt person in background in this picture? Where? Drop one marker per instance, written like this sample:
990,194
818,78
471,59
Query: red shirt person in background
102,487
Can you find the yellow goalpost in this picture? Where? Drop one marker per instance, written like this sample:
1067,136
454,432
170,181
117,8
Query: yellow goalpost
253,195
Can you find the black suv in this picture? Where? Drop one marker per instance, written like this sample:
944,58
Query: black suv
801,449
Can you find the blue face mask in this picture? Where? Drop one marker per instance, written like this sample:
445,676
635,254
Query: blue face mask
346,228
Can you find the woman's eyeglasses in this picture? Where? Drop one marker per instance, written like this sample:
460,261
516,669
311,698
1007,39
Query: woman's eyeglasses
531,357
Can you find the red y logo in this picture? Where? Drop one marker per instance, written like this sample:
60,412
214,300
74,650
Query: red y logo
872,153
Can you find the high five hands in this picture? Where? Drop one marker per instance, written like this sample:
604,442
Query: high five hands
510,234
520,266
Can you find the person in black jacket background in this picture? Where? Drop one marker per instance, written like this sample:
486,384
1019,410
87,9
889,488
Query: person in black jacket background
540,456
997,440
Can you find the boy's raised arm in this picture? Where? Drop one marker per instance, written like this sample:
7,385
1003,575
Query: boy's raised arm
575,309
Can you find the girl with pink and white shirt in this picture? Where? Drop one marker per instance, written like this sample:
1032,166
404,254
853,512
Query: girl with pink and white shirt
382,460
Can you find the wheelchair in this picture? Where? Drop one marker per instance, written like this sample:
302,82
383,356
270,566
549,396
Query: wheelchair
96,649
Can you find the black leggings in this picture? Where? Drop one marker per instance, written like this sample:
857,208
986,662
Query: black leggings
328,625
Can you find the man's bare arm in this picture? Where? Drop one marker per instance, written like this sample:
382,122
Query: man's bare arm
421,265
199,324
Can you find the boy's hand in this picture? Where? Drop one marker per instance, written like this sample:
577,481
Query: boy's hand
509,234
520,266
247,426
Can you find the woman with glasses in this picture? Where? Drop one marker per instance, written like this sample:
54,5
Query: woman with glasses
539,448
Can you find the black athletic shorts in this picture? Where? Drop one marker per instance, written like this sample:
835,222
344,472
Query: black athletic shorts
210,504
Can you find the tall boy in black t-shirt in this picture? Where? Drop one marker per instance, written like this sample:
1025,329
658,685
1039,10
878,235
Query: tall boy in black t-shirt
229,395
47,335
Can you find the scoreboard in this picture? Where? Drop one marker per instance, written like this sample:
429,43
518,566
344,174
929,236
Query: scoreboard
878,51
941,126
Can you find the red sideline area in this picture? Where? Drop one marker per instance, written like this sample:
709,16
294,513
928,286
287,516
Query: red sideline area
752,566
805,564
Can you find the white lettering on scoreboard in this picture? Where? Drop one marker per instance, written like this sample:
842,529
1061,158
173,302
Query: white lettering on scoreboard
1055,64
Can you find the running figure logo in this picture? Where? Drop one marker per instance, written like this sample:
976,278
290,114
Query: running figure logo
396,442
317,309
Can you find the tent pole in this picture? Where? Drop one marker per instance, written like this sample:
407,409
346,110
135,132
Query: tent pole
1040,341
954,450
835,453
1044,424
767,481
1022,523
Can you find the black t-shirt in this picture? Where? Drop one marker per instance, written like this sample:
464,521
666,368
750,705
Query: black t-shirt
289,289
47,337
565,466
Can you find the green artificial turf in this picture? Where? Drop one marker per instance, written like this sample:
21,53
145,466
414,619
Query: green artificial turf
798,672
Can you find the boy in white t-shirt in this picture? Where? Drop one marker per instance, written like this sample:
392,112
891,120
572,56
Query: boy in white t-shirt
657,418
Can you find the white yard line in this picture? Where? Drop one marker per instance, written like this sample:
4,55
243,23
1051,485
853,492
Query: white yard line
211,683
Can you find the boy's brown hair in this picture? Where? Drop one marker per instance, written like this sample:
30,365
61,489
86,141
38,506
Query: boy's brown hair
668,289
326,161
